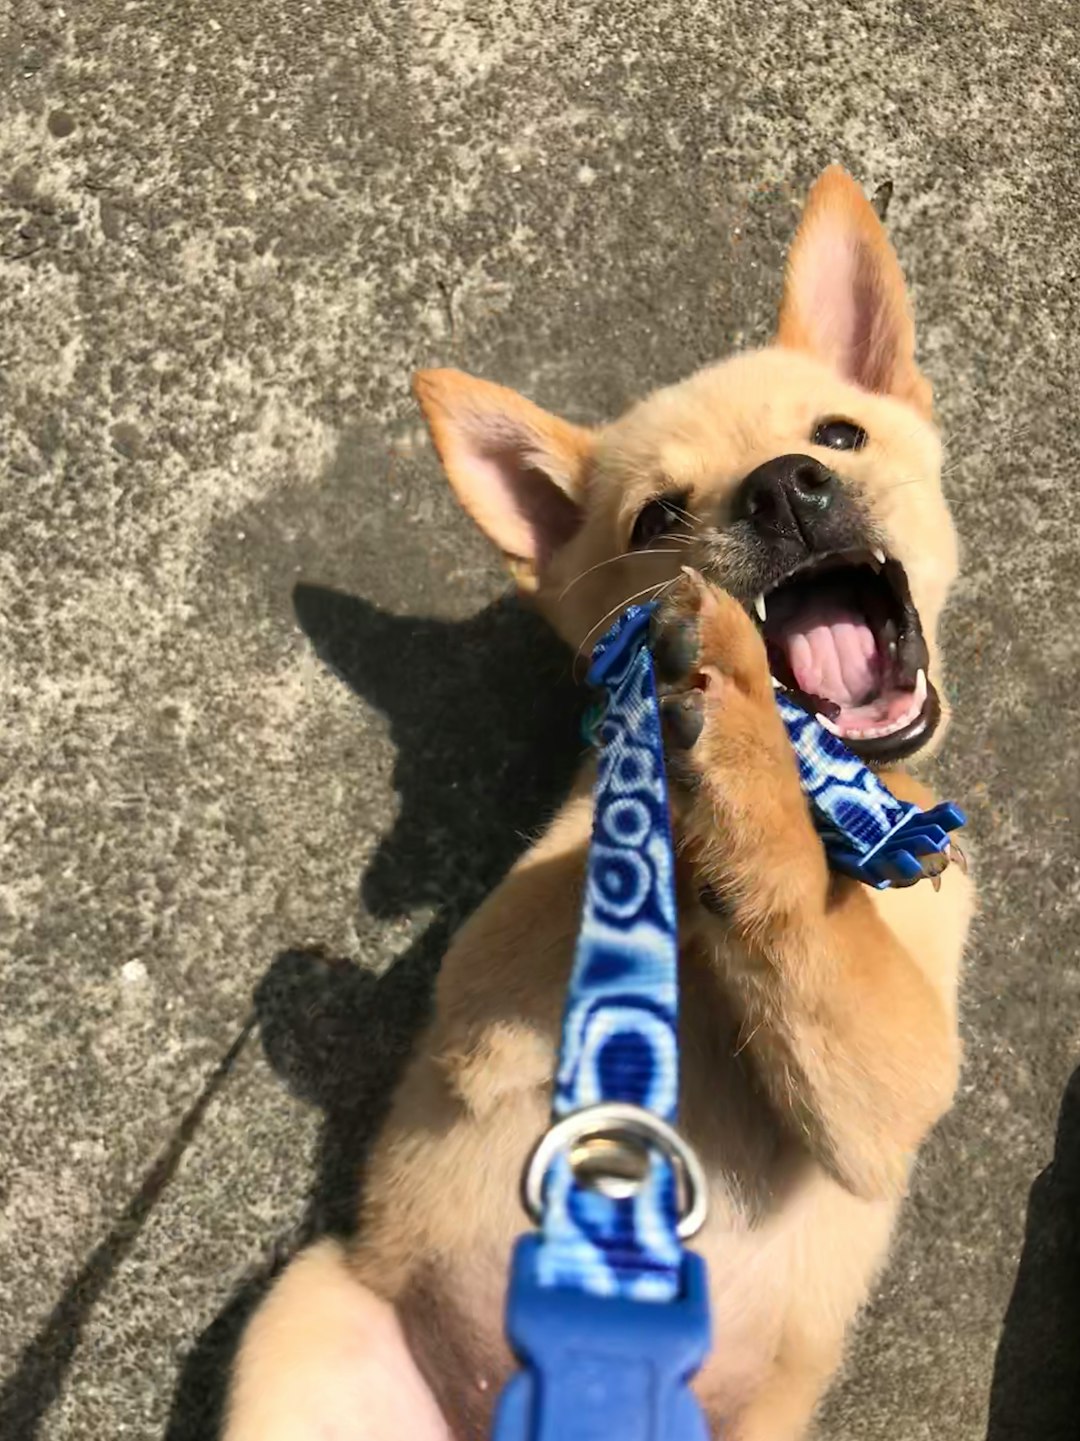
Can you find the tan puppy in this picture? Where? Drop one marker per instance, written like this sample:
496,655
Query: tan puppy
819,1018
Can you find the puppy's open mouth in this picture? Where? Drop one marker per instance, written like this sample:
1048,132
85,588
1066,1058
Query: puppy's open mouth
844,638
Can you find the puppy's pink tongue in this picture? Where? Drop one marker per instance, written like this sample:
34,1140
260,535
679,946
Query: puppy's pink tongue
831,651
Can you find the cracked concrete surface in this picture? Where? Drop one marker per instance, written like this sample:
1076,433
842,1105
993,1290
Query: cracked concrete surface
262,692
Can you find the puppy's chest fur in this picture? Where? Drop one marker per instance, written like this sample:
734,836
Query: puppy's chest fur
781,1235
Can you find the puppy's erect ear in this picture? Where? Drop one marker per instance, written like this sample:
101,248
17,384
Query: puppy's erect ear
518,471
844,295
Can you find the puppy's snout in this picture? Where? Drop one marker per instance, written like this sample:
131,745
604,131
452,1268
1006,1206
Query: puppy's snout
786,496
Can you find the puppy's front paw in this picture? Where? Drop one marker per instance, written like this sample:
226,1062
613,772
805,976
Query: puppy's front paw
743,823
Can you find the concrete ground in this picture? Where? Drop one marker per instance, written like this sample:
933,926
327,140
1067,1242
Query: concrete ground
262,693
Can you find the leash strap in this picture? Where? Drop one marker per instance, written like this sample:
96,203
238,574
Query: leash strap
607,1312
866,831
619,1028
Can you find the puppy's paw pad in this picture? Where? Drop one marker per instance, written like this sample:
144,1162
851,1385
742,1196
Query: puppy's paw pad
682,678
682,716
676,646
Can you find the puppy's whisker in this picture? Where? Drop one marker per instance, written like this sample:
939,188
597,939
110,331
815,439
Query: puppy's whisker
622,605
1002,434
901,484
661,585
683,514
943,474
624,555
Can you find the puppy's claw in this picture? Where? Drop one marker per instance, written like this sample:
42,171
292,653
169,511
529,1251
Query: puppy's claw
697,581
934,865
956,855
683,718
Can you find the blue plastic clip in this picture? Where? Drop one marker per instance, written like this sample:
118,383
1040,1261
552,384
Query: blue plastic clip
896,859
597,1367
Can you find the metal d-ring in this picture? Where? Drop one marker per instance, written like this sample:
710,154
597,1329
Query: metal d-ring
631,1133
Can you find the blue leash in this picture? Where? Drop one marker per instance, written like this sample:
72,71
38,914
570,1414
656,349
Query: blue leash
607,1311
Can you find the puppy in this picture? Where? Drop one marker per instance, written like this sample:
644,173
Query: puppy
819,1035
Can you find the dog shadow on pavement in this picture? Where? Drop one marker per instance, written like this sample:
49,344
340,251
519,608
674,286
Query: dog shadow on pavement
485,720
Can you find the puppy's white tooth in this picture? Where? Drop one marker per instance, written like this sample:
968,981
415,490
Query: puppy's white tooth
829,725
775,683
879,556
759,606
920,687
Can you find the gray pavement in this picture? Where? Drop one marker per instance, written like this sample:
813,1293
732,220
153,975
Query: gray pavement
262,691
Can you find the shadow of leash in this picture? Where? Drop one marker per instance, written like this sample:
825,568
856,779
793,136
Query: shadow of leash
39,1373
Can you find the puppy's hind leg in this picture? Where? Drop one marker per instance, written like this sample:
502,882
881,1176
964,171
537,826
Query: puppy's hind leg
324,1359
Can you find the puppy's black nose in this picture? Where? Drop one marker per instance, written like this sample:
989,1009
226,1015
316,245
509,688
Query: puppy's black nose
786,497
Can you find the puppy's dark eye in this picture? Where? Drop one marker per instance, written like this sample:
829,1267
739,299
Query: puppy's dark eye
662,515
839,435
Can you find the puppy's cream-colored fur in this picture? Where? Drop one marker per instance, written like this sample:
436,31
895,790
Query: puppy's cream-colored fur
819,1038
